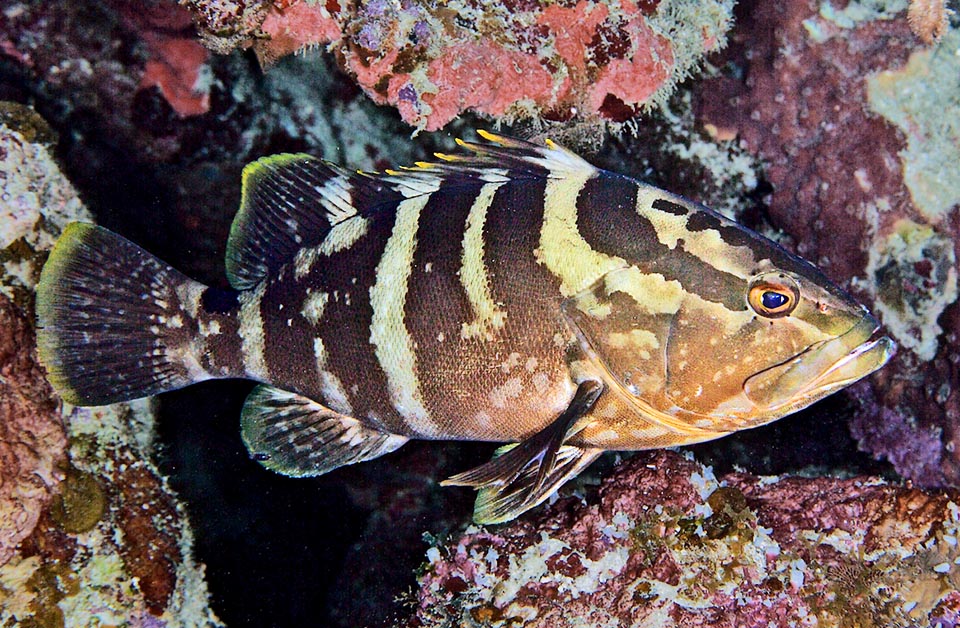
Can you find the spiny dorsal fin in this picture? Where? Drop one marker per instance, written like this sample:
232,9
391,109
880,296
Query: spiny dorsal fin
517,157
297,436
291,201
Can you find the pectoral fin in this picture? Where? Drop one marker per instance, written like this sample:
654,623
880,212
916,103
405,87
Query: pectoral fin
296,436
522,475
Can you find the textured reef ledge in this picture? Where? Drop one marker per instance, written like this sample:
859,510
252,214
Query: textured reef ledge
663,542
515,60
855,118
90,533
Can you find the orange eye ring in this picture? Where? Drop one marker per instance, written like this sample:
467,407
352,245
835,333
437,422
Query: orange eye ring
773,295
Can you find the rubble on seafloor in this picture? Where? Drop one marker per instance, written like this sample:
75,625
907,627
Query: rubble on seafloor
90,533
663,542
593,59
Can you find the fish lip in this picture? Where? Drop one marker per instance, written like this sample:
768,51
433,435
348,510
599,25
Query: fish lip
866,351
875,344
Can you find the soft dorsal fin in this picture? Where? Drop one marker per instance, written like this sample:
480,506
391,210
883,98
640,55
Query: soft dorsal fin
291,201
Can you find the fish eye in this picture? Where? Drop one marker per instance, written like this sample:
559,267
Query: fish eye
773,295
773,300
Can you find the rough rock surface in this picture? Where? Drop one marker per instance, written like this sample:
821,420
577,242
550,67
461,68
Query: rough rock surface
592,59
663,542
32,438
852,114
90,533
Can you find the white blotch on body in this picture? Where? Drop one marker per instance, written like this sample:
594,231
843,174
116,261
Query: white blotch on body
511,389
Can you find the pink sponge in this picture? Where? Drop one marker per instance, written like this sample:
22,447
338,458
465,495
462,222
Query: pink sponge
519,59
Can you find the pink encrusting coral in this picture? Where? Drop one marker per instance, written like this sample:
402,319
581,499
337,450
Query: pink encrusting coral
604,59
666,543
177,65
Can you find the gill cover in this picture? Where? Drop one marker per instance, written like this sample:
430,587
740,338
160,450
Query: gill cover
690,362
669,349
623,323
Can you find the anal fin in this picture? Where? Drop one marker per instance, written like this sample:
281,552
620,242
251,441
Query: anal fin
523,475
296,436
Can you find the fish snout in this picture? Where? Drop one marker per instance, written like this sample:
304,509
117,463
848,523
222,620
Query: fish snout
823,368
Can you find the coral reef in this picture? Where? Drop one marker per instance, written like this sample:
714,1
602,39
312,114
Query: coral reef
36,200
664,542
177,64
115,77
855,119
592,59
89,530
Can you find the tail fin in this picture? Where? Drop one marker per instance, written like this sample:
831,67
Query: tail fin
114,323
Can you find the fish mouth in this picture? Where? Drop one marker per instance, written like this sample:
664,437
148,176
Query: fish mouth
822,368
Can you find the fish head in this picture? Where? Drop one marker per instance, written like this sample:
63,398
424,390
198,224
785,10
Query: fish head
779,340
812,338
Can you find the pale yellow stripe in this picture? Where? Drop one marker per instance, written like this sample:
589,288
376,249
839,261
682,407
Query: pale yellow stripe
706,245
333,393
251,333
344,235
562,249
313,306
392,343
473,272
652,291
341,236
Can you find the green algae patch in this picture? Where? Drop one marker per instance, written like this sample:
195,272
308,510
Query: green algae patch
81,503
923,100
27,122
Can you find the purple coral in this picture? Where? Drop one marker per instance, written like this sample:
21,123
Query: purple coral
664,541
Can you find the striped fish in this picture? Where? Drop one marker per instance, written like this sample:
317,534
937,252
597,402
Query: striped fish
512,293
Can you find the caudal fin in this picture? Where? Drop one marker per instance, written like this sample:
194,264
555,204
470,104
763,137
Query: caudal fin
114,323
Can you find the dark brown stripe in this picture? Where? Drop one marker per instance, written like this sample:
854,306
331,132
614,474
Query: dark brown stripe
731,233
670,207
345,326
288,337
608,220
436,303
222,355
530,292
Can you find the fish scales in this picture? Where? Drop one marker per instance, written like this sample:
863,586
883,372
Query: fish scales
514,294
495,345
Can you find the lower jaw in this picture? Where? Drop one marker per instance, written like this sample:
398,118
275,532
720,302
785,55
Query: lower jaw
821,370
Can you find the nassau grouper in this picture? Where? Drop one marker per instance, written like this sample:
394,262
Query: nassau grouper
512,293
